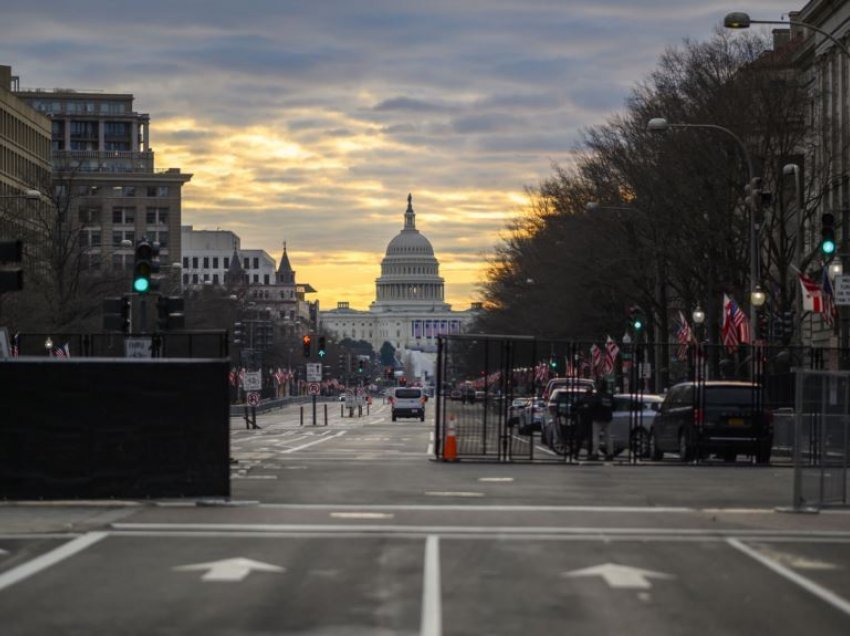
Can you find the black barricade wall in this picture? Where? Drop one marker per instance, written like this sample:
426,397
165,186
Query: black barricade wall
101,428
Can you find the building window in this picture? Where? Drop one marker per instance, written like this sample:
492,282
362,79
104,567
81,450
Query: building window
128,191
256,278
265,279
246,263
226,263
185,279
162,191
195,279
194,262
125,216
206,262
215,262
185,262
256,263
215,279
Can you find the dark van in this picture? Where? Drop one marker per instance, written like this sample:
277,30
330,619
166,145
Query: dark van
723,418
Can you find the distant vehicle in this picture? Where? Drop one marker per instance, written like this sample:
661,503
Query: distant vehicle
715,417
625,408
480,395
559,418
408,402
567,382
531,417
455,394
517,405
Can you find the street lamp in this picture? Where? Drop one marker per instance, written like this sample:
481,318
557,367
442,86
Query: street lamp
698,316
741,20
758,297
660,124
48,344
29,195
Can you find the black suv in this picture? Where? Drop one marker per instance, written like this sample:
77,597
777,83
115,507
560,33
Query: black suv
723,418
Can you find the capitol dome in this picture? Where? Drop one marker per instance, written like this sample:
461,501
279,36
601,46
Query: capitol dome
410,273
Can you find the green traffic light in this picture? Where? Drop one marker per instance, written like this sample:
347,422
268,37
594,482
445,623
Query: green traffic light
827,246
141,285
638,325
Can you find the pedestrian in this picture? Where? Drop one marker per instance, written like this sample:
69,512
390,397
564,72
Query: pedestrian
603,412
584,410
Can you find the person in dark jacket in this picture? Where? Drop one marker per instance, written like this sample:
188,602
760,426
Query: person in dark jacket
585,408
603,411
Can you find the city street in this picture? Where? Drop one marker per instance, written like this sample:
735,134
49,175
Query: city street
352,528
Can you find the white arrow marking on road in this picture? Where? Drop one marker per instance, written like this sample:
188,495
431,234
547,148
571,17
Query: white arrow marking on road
621,576
229,570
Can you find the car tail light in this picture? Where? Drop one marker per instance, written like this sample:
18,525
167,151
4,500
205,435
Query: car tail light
699,417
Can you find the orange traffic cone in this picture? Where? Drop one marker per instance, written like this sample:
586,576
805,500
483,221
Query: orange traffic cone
450,448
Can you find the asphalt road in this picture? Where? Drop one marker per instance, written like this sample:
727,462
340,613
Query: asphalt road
351,528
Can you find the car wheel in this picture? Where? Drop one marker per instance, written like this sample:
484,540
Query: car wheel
685,450
655,453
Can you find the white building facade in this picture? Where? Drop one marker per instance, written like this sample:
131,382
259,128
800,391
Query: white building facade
409,310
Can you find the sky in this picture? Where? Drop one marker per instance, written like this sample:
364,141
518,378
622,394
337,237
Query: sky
310,121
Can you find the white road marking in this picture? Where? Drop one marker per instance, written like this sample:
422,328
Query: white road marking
313,443
496,479
451,493
591,533
621,576
254,477
810,586
229,570
25,570
479,508
432,619
362,515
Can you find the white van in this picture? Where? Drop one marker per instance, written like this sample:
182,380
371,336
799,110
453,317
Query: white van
408,402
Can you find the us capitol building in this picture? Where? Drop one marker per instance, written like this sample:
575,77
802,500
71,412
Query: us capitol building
409,310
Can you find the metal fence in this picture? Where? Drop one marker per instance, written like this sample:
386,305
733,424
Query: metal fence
186,344
821,438
479,376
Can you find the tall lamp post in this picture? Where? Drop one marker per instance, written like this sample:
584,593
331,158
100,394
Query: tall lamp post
741,20
659,124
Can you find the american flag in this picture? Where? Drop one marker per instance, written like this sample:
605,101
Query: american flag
541,372
595,360
279,376
812,295
736,327
16,345
611,353
231,376
242,373
684,336
62,352
828,299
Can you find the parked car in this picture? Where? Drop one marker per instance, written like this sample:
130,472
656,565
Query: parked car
559,416
640,409
517,405
567,383
531,417
722,418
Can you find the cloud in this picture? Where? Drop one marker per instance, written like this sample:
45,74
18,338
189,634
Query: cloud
311,121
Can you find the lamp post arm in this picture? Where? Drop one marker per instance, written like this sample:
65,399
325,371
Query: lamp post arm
738,140
826,34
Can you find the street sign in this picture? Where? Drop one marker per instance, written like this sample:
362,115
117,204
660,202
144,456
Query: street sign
138,348
253,399
842,289
314,372
253,381
313,389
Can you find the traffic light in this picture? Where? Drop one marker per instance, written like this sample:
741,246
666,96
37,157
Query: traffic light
827,233
11,279
307,340
238,333
116,314
360,366
143,267
553,363
636,319
322,352
169,310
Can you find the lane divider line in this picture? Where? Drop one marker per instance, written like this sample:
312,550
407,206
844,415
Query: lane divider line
810,586
313,443
36,565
